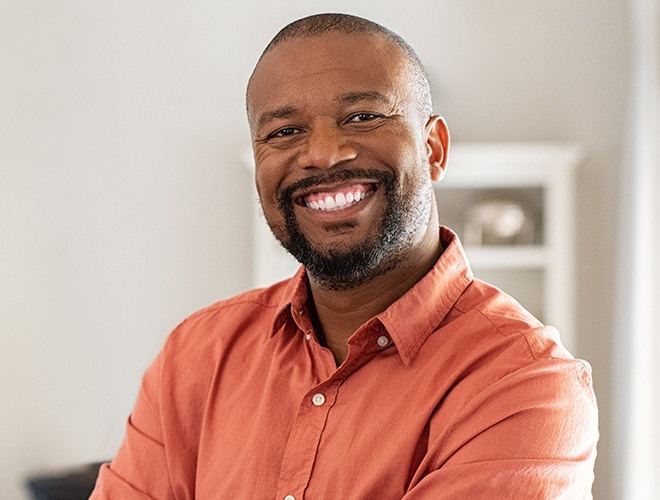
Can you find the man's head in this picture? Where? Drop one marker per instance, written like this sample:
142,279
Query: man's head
346,148
320,24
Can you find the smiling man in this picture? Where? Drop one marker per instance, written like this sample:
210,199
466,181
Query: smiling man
383,368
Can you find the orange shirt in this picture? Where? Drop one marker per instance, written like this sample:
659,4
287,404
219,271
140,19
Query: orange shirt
454,391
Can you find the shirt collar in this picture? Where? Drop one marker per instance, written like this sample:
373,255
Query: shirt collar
294,298
418,313
413,317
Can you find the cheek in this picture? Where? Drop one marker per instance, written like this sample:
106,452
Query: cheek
401,147
266,190
271,167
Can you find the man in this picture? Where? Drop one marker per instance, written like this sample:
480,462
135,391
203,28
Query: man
382,369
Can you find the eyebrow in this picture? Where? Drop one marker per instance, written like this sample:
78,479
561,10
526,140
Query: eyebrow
274,114
352,97
349,97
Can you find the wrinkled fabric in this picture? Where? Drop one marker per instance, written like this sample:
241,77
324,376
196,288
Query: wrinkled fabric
454,391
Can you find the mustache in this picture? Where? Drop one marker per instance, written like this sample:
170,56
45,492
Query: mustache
285,196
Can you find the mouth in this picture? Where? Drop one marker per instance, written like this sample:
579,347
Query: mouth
341,192
332,200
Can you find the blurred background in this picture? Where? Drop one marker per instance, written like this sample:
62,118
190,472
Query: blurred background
125,200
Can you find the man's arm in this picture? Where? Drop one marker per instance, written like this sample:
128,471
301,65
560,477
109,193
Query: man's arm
530,435
140,469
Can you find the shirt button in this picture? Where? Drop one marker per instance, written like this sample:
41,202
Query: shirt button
383,341
289,497
318,399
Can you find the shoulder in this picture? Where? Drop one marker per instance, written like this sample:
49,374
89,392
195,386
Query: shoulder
498,318
505,348
252,302
513,368
233,328
203,335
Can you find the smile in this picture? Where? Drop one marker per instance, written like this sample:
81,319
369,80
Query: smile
330,201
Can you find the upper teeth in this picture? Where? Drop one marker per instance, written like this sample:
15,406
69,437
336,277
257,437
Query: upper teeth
337,202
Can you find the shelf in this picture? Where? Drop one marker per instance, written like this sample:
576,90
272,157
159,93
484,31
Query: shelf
476,165
507,257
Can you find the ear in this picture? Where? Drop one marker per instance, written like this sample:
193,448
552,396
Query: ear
437,146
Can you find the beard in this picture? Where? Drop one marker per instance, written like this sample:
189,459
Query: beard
408,208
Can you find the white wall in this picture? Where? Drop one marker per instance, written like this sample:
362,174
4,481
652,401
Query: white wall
124,206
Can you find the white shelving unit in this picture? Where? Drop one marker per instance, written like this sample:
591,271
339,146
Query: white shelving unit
538,175
540,178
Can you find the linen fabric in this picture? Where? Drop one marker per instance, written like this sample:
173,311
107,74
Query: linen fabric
454,391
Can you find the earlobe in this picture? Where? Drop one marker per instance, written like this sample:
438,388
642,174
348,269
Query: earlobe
437,146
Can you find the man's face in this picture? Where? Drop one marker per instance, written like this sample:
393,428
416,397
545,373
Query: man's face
342,164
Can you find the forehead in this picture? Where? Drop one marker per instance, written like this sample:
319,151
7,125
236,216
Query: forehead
334,63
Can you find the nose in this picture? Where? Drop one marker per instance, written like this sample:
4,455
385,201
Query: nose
326,146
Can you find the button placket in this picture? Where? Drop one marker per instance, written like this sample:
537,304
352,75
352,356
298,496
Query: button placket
308,427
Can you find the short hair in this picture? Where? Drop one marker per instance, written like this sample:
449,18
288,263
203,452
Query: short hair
320,24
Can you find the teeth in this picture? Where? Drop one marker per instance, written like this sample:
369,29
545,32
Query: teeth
340,201
330,203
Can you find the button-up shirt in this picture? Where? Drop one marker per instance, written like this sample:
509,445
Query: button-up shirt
454,391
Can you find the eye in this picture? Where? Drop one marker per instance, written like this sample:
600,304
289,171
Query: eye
284,133
363,117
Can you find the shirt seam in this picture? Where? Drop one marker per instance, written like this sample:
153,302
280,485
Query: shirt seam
500,332
237,301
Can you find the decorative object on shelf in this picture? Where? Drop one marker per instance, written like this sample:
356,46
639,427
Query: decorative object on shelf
498,222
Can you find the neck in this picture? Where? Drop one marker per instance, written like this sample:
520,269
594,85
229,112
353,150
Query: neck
339,313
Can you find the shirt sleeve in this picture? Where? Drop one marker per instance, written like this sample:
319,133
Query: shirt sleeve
530,435
140,469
